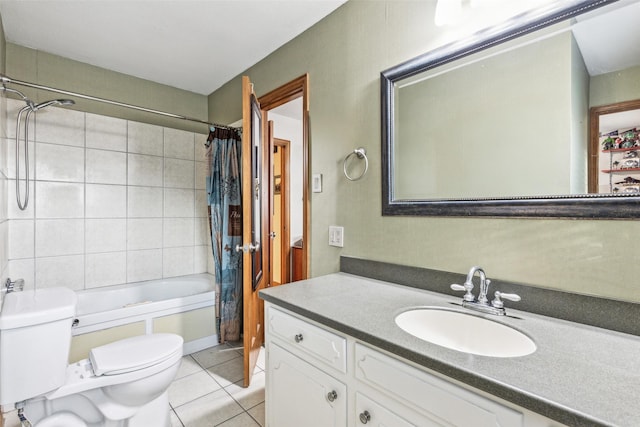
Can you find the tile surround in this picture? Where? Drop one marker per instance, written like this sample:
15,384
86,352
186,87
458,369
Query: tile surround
111,201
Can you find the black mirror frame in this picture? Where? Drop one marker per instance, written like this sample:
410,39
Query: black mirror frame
588,206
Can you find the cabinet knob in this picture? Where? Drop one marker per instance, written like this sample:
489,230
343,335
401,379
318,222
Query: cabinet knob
298,338
332,395
365,417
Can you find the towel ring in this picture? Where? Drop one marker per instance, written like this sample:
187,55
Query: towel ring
361,154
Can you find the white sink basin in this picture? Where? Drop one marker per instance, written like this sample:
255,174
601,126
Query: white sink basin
465,332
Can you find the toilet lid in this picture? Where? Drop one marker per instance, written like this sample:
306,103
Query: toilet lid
132,354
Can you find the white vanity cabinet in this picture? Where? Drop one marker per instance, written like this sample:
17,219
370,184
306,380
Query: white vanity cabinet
303,364
306,396
319,378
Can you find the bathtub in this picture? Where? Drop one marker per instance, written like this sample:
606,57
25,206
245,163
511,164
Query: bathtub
183,305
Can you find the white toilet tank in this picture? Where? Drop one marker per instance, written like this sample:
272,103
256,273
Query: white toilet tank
35,336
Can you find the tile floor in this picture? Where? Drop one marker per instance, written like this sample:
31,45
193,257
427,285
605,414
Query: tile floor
208,392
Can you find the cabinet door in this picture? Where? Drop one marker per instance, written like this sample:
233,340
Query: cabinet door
302,395
375,415
434,397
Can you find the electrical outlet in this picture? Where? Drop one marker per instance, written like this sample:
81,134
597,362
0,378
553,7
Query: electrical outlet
336,236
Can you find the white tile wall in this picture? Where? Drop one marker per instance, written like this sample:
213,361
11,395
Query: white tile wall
144,265
144,233
56,237
60,126
21,238
60,271
106,167
106,201
178,173
59,200
10,145
145,170
111,201
105,235
106,269
106,133
145,139
59,163
178,144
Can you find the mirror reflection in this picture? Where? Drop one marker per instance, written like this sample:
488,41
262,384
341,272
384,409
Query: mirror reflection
513,121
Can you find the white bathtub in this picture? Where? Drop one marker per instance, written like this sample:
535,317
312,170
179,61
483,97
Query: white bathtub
184,305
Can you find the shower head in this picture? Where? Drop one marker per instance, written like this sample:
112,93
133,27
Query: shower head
53,102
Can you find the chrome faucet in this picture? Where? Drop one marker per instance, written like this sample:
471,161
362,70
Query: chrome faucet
482,302
10,286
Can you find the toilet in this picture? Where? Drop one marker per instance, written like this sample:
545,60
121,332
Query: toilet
123,383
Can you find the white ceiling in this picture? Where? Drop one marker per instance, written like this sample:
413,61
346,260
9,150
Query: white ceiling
195,45
609,38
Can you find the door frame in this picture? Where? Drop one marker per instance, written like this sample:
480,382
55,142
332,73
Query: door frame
297,88
594,136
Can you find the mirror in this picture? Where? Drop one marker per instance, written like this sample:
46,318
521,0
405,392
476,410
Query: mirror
498,124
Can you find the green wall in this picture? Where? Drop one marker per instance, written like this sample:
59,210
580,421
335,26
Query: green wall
344,55
615,87
61,73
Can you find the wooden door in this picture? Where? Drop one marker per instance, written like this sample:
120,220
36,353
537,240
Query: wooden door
280,236
255,223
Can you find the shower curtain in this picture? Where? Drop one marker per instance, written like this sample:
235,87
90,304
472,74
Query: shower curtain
225,211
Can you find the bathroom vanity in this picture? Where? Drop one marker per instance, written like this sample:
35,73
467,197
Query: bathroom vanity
335,357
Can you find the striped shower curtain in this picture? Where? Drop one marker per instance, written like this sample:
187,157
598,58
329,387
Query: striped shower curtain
225,211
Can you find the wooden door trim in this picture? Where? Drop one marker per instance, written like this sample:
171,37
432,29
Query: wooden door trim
594,136
297,88
285,238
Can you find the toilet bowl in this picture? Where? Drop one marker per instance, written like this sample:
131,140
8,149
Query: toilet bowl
123,383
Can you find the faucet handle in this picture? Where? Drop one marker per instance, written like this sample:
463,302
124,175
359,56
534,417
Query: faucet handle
498,303
467,287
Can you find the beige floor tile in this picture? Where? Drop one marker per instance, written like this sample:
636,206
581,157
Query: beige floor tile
242,420
209,410
175,421
191,387
188,367
250,396
215,355
257,412
229,372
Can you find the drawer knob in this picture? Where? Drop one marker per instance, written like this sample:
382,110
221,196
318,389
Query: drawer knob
298,338
365,417
332,395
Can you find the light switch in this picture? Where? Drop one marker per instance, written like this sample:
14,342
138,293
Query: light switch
317,183
336,236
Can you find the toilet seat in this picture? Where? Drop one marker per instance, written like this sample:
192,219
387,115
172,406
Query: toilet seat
81,376
133,354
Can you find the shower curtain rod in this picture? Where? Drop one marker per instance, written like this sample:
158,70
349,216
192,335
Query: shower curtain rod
5,79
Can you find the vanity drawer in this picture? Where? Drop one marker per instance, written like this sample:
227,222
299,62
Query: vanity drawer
306,339
432,396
